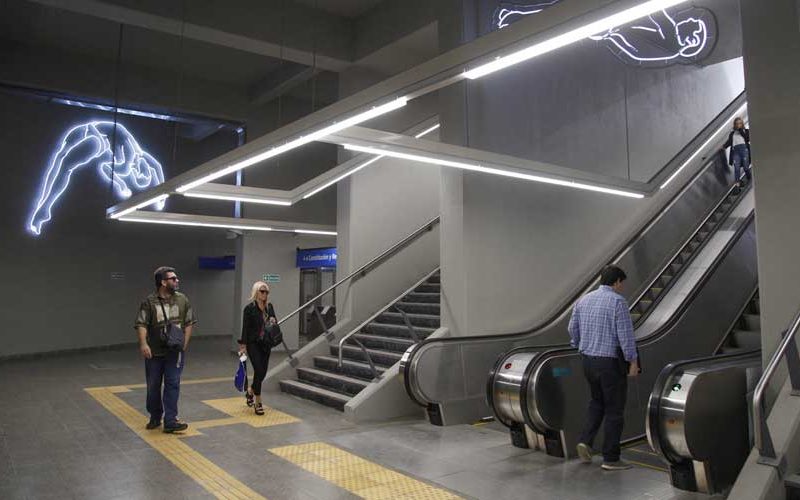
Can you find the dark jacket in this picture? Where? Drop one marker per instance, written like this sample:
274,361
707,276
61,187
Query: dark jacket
253,322
745,132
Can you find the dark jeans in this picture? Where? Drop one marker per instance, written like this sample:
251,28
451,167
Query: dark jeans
259,358
741,160
167,370
608,384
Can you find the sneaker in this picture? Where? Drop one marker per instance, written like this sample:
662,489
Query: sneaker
153,424
176,427
585,453
618,465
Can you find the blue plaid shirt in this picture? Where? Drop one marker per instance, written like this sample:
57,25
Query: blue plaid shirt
601,323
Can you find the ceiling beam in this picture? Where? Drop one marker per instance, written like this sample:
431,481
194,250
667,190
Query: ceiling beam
280,82
256,28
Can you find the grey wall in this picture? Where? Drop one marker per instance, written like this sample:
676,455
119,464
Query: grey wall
513,251
57,288
274,253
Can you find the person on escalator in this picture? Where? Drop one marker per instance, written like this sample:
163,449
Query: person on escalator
739,157
602,330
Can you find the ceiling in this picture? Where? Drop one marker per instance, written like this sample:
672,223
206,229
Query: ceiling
342,8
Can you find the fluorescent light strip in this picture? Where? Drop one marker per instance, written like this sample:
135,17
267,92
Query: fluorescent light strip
365,164
703,147
427,131
309,231
246,199
494,171
143,204
343,176
199,224
314,136
573,36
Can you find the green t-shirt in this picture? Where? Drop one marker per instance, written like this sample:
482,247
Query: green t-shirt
151,317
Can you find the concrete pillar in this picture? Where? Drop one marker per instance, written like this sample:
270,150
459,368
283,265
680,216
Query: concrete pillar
771,49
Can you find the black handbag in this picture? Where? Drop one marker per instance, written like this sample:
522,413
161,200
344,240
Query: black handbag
171,334
270,335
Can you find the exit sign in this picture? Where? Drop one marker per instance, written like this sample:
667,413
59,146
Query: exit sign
271,278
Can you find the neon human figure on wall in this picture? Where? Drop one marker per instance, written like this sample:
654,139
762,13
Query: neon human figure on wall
663,39
659,40
507,13
90,145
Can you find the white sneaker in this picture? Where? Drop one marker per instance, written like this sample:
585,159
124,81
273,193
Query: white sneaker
585,453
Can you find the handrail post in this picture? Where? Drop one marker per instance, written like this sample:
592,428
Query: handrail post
793,363
318,315
410,327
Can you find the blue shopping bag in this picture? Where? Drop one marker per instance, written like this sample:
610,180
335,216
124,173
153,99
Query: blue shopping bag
240,379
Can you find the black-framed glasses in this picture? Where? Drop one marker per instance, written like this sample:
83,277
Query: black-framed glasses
172,278
263,291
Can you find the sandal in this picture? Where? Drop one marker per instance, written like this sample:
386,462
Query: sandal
259,409
249,398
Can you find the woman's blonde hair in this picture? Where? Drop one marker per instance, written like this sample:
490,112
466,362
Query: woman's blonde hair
256,287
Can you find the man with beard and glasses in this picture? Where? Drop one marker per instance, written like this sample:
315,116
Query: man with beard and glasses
163,366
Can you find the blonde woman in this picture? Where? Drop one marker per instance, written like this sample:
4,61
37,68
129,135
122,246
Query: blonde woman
256,315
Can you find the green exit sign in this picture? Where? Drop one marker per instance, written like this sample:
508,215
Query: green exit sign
271,278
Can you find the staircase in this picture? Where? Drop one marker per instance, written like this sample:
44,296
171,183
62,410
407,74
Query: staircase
385,339
746,334
650,297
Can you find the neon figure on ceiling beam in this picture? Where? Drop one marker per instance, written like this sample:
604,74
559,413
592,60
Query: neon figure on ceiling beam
90,144
507,13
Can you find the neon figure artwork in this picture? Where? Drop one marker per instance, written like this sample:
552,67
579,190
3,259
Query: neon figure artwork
659,40
90,144
507,13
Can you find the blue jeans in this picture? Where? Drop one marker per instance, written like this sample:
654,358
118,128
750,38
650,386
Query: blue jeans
167,370
741,159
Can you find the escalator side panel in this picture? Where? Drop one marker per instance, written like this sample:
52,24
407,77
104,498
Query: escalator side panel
558,394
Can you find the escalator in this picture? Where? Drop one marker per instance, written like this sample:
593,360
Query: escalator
448,375
698,418
540,392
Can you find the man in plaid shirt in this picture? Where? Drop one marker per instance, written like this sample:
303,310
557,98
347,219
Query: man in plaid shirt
602,330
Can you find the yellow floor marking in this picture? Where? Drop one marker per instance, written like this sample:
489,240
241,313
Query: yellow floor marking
215,480
216,422
647,466
185,382
236,407
358,476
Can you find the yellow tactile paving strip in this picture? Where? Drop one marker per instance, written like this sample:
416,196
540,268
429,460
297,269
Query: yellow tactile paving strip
358,476
215,480
236,408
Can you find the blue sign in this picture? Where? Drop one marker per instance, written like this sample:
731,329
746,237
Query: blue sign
316,257
226,262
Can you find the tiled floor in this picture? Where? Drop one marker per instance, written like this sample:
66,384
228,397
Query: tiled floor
58,440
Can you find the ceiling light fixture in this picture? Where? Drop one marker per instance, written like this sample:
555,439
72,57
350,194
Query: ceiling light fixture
198,224
365,164
300,141
309,231
143,204
245,199
493,171
570,37
702,148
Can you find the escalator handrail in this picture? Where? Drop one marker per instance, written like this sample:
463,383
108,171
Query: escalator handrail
762,437
534,368
654,402
584,288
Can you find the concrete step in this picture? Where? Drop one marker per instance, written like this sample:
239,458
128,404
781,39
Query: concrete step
379,357
752,321
382,343
420,307
349,367
423,320
429,288
314,393
398,331
436,278
429,298
333,381
746,339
